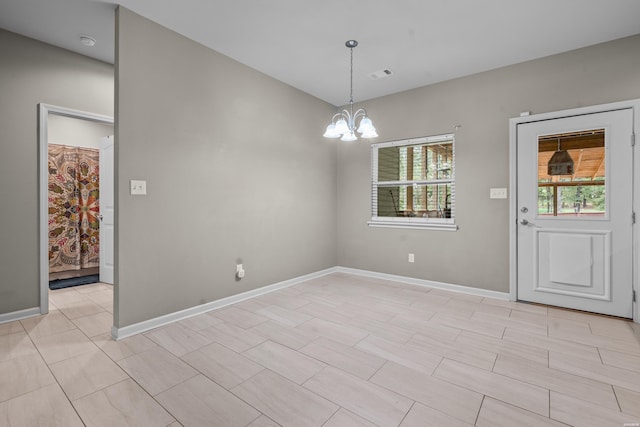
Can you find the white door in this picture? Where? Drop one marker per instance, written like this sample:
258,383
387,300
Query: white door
575,230
106,209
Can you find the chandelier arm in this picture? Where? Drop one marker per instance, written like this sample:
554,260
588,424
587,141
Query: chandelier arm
361,112
335,116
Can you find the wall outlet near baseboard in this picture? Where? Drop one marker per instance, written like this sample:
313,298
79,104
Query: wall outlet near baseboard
412,258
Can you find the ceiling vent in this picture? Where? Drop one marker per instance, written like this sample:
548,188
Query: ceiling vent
377,75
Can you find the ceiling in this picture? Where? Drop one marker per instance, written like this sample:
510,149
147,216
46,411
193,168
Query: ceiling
301,42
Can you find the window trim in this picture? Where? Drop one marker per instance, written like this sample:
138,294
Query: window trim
446,224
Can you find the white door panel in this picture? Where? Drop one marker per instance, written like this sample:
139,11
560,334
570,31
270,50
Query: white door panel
571,254
106,209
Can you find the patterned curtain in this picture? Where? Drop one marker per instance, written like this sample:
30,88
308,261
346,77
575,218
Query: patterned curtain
73,208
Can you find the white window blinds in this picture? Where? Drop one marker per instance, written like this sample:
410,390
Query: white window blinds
413,183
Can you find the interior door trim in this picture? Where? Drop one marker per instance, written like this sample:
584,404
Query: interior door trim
634,105
43,227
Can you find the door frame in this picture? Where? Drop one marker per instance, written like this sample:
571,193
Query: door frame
43,225
513,181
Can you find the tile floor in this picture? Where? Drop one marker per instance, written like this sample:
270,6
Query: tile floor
336,351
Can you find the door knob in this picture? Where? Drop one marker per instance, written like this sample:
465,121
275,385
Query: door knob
524,222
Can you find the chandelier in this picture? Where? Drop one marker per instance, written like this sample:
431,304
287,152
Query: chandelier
343,124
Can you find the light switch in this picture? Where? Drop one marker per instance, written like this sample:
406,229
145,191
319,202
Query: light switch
138,188
498,193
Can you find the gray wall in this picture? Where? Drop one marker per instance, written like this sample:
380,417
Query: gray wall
32,72
477,254
76,132
236,168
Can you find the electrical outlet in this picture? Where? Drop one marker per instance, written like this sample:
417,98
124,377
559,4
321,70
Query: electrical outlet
412,258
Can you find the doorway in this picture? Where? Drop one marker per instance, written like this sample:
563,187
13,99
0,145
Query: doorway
575,204
69,145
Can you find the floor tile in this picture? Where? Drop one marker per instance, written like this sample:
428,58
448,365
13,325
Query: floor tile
495,413
614,328
344,418
263,421
559,325
629,401
11,328
284,316
384,330
478,326
95,324
575,412
178,339
595,371
201,321
517,393
234,337
349,359
478,307
620,360
361,312
475,341
289,363
424,416
380,338
341,333
65,345
86,373
157,370
533,373
509,322
528,317
86,307
200,401
23,375
122,404
49,324
370,401
222,365
285,335
421,325
552,344
118,350
517,306
239,317
601,341
326,312
402,354
47,406
15,346
284,401
455,401
93,287
455,351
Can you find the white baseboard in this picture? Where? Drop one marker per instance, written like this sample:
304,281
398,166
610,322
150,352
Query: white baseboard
136,328
426,283
21,314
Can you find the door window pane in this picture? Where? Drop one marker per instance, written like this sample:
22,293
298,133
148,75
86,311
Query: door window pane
571,174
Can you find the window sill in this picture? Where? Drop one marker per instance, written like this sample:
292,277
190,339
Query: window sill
413,224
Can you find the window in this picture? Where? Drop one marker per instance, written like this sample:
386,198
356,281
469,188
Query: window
413,183
580,192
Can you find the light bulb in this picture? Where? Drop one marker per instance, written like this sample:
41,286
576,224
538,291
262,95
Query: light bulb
349,136
331,131
365,125
341,126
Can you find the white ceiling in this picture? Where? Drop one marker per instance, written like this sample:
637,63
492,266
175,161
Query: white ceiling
301,42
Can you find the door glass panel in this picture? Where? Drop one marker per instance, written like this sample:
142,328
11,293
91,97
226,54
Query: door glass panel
571,175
